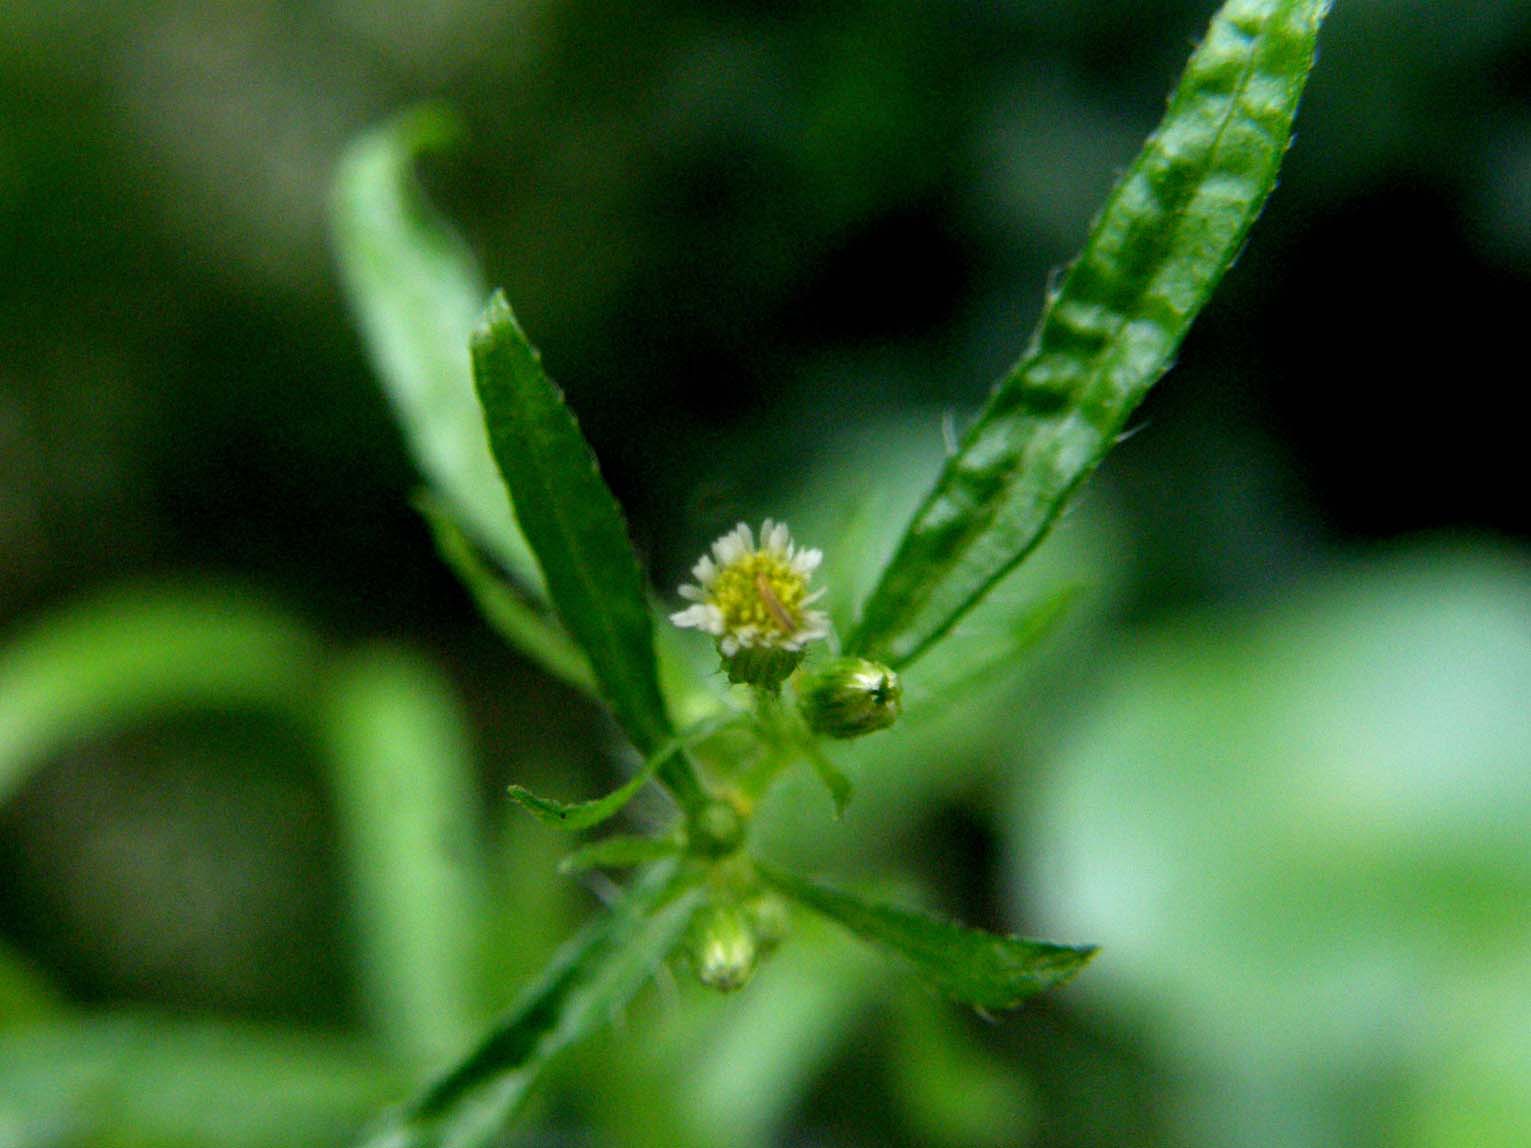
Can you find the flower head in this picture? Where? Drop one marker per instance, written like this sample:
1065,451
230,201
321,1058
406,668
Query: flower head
753,597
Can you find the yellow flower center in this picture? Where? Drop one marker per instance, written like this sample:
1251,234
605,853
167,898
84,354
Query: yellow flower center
762,590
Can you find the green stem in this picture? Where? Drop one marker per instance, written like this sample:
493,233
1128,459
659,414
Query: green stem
678,775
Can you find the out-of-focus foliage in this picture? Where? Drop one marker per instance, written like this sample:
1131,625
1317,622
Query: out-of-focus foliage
129,1081
782,244
403,775
1331,796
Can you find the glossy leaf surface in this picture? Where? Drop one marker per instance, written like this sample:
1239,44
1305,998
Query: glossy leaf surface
572,521
1168,232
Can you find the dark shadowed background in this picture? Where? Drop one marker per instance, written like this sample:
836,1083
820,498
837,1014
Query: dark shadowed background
1281,769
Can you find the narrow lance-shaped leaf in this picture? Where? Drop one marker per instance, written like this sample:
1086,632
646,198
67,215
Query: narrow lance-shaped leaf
594,975
416,292
576,529
1168,232
578,815
517,621
977,968
620,852
138,652
402,771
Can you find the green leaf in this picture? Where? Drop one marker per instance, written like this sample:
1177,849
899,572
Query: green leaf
578,815
574,525
833,778
144,1079
590,978
619,852
406,793
1168,232
981,969
587,814
517,622
417,294
989,657
137,652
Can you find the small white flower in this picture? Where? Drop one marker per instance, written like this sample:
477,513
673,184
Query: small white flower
755,597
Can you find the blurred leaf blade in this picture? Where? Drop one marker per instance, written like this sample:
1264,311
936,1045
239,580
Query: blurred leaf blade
417,293
26,995
136,652
622,851
591,977
992,656
982,969
516,621
1168,232
953,1091
146,1079
573,522
406,791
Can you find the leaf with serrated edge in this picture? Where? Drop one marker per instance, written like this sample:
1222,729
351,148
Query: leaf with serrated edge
416,292
572,521
1168,232
591,977
982,969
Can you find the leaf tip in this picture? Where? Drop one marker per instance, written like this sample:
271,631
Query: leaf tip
496,314
537,806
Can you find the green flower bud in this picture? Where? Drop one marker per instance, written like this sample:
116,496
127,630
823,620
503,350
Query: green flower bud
716,829
849,697
724,948
770,918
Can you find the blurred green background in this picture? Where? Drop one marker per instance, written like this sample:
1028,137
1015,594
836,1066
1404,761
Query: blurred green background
1278,764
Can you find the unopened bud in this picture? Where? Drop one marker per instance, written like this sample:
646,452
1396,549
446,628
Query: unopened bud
849,697
724,949
770,919
716,829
